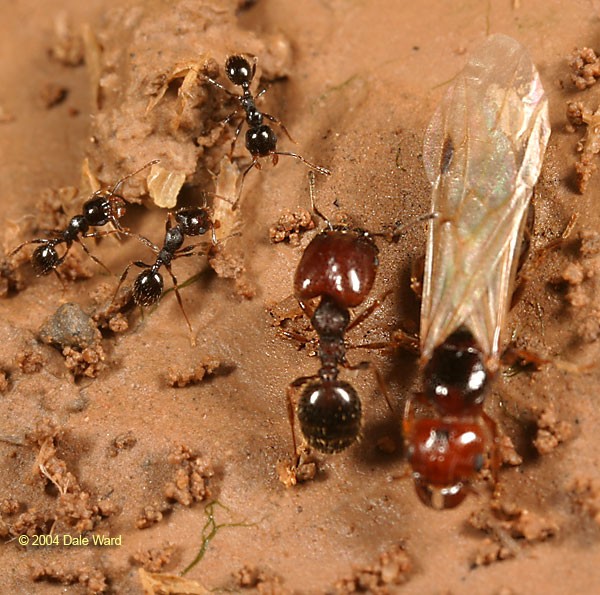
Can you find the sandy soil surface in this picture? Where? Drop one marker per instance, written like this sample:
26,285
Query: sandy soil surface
175,450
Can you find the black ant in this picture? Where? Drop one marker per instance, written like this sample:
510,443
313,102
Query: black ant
261,140
339,267
149,284
105,206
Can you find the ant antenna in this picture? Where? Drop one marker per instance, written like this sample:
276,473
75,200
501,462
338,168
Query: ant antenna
311,190
394,236
130,175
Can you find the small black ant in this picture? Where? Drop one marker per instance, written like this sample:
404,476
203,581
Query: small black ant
261,140
149,284
105,206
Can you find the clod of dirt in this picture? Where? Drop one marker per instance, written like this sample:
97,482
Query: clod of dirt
230,265
251,577
507,452
302,468
191,478
151,97
154,559
393,568
586,68
589,145
508,525
71,327
92,579
585,493
74,508
206,368
89,362
30,361
190,485
157,583
551,431
290,226
123,441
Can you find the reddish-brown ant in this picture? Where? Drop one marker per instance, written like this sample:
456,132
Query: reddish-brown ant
261,140
105,206
339,267
483,154
149,284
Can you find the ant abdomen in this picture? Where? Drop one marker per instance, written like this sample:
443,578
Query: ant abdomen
147,288
44,259
445,456
329,413
339,264
261,141
456,377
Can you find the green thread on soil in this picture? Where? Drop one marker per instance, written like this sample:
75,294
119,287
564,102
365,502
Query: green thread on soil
208,535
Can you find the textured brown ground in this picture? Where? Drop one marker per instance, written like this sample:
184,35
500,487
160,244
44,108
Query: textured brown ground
125,448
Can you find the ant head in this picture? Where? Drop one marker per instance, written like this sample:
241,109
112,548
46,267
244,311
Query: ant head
44,259
329,413
194,221
103,207
261,141
339,264
147,288
445,457
239,70
456,376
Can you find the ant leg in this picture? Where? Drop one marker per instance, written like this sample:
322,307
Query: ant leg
180,301
124,274
238,129
291,411
368,311
254,163
417,271
367,365
281,125
96,260
321,170
18,248
308,309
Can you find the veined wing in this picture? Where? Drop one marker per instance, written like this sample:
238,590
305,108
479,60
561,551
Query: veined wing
483,154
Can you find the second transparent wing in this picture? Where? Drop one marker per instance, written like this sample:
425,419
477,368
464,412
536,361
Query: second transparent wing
483,154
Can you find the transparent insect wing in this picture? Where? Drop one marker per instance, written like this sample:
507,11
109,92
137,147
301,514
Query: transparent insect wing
483,154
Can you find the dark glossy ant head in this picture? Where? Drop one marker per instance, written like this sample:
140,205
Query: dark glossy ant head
102,208
147,288
174,239
239,70
340,264
194,221
261,141
329,413
44,259
445,458
456,376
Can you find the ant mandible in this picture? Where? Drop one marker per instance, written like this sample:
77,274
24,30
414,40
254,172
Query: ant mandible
339,267
105,206
149,284
261,140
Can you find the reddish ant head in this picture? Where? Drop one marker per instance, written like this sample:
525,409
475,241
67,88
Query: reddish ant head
445,457
261,141
339,264
44,259
329,413
147,288
456,376
239,71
